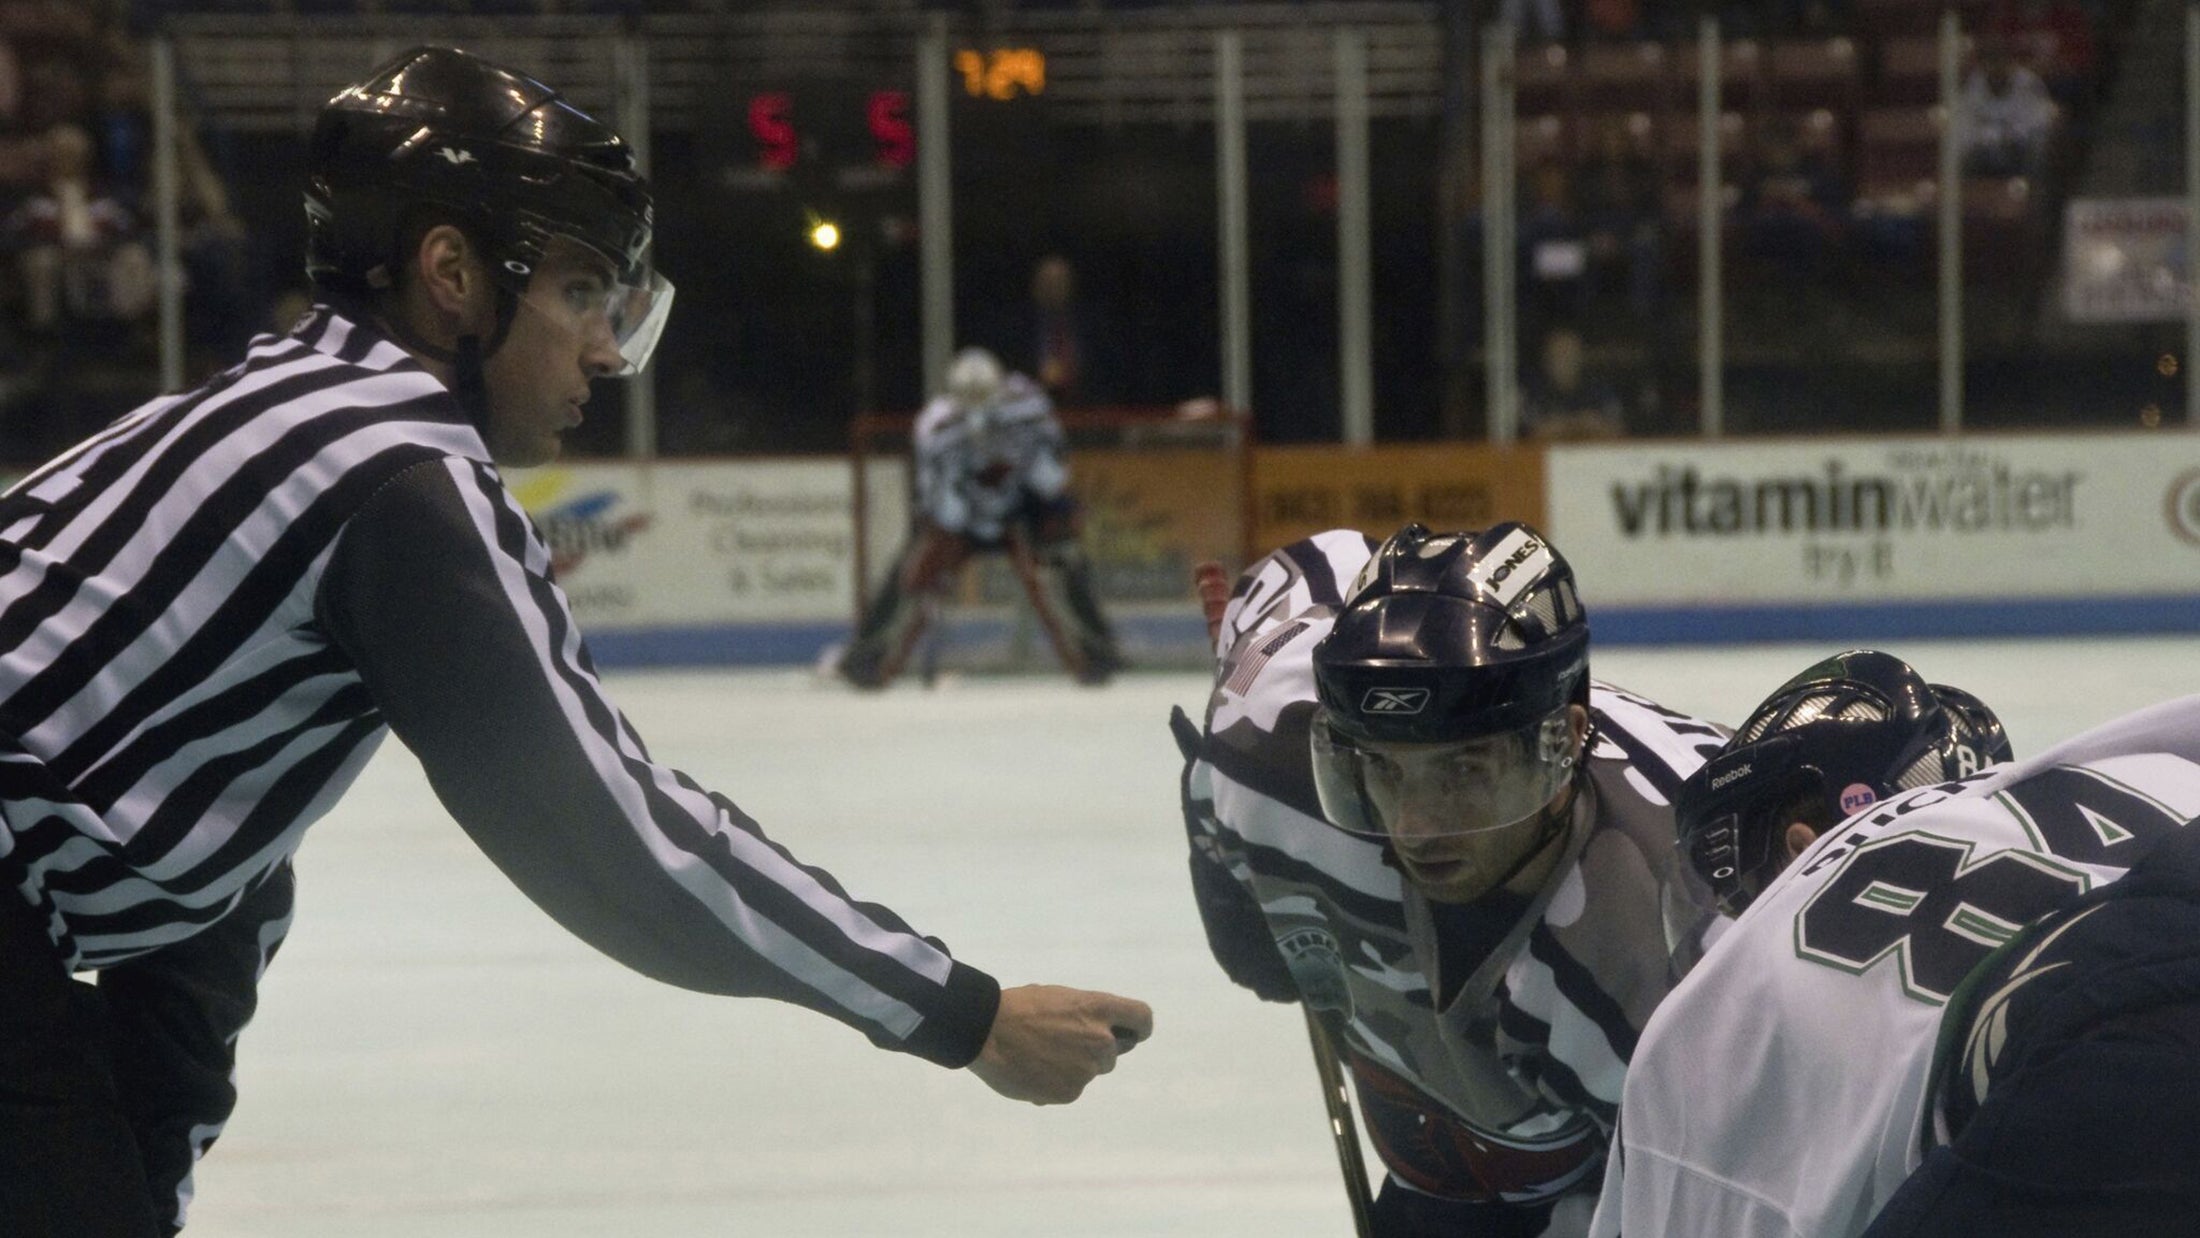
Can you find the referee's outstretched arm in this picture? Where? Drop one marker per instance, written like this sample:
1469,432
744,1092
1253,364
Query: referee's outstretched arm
439,591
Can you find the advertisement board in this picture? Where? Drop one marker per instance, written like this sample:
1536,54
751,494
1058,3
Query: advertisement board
1873,521
697,544
2125,260
1302,490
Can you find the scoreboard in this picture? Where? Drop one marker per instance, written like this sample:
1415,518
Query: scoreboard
784,133
858,135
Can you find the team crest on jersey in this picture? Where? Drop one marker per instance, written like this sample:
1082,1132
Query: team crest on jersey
1317,968
1394,702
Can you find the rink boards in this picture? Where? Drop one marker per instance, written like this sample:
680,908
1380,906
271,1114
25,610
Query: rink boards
754,561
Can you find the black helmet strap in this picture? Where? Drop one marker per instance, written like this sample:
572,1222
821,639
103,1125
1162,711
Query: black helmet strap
468,382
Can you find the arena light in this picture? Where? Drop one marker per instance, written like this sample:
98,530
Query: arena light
824,235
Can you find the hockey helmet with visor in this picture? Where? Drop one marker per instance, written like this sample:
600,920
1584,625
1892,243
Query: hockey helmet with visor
438,134
1846,733
1444,686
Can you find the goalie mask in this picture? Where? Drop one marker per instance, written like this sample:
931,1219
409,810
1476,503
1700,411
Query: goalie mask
974,379
1846,733
440,134
1445,686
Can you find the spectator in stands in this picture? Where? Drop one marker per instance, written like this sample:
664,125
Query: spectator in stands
1795,204
1813,17
1621,210
2006,112
1060,339
1533,20
1561,400
55,91
1613,19
1061,344
86,279
223,305
2055,37
79,254
1554,252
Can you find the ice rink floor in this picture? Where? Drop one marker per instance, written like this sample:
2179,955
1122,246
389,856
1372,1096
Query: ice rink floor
433,1058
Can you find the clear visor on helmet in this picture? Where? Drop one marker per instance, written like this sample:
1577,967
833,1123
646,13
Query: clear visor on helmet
576,289
1410,791
633,314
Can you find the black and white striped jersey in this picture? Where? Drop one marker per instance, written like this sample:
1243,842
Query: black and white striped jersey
1488,1041
212,611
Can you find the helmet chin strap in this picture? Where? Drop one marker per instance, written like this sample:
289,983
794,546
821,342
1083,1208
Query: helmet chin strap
1551,826
469,384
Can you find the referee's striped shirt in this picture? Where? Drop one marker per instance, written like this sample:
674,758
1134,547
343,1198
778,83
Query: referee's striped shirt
211,612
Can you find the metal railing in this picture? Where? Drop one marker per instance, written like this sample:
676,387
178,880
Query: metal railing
1224,66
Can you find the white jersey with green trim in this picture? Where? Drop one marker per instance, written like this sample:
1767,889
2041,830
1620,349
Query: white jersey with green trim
1781,1089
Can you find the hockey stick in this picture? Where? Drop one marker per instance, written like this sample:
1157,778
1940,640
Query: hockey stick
1213,586
1341,1126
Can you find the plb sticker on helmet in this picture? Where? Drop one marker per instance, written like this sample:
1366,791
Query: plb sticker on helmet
1516,563
1856,797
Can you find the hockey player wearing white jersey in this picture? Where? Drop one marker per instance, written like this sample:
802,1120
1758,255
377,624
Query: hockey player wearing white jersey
1960,975
1412,811
990,476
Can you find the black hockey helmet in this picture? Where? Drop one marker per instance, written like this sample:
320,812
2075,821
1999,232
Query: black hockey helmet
500,154
1455,635
1847,732
1470,645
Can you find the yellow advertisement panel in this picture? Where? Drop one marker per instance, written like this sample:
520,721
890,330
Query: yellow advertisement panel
1301,490
1151,513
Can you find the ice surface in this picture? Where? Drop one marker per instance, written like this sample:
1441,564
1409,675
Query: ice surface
434,1057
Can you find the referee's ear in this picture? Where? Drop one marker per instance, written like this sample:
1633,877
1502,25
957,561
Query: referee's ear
449,290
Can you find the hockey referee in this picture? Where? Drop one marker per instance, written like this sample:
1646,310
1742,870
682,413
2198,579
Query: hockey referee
212,610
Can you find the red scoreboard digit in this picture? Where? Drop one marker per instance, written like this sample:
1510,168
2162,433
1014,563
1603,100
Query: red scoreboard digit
782,131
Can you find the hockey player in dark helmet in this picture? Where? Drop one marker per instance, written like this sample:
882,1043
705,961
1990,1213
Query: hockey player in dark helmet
496,231
1454,711
1413,812
1847,732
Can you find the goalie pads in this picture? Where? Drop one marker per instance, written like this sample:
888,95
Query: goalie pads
1057,577
898,616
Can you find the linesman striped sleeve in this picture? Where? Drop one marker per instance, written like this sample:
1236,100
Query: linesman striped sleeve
440,594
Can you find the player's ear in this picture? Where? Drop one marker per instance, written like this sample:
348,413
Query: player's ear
1798,838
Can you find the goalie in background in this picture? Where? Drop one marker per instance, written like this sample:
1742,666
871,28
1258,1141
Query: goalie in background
990,477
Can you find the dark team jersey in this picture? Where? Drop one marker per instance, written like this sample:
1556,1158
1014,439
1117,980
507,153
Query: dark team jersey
211,613
1488,1041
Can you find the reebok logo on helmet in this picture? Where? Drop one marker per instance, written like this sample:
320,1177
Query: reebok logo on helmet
1730,776
456,157
1394,701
